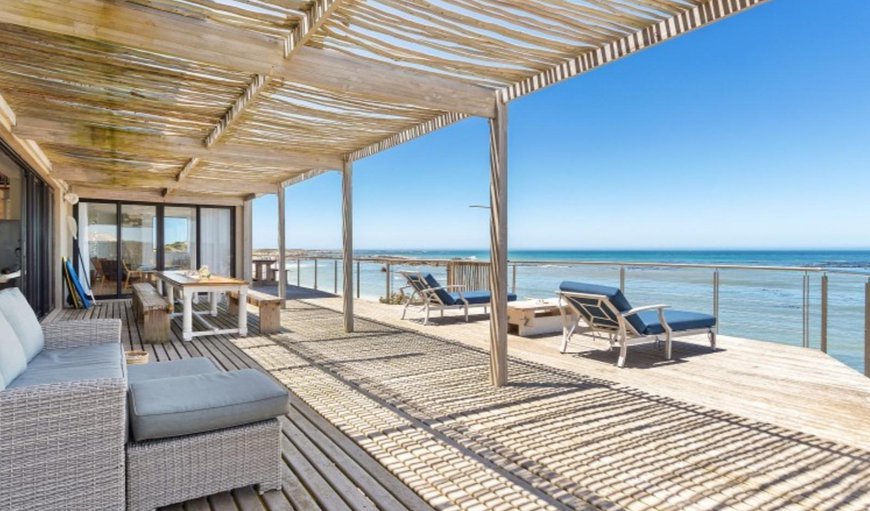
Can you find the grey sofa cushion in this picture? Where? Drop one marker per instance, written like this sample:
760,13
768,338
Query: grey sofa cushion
170,369
13,361
185,405
73,364
23,321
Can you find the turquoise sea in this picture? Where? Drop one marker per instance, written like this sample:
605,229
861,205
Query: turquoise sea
755,304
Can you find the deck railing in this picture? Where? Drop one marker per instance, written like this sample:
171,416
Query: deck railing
532,278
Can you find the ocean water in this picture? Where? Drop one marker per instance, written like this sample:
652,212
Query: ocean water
756,304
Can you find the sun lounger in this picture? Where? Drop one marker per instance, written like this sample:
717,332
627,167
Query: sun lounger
435,296
606,310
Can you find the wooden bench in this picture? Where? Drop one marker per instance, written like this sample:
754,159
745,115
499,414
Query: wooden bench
154,310
269,306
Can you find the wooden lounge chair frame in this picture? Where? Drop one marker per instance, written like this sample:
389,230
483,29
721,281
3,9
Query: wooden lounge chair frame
620,330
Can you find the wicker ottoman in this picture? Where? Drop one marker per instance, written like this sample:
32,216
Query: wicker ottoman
172,470
197,431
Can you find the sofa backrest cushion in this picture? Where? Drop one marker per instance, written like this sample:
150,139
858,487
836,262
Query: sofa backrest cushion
12,359
23,320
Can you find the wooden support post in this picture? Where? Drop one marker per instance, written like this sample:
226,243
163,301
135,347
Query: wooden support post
498,245
347,242
389,282
282,249
247,242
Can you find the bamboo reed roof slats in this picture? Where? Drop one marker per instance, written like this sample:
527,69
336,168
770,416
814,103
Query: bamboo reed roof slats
241,95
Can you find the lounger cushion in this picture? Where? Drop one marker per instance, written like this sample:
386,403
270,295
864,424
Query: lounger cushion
614,294
478,297
198,403
443,295
12,358
93,362
679,321
170,369
14,306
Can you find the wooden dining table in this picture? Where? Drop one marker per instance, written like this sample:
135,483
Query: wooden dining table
186,286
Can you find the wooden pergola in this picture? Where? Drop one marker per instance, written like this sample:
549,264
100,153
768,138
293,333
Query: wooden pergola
218,101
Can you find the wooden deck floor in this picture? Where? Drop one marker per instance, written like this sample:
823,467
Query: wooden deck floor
323,468
400,415
788,386
753,425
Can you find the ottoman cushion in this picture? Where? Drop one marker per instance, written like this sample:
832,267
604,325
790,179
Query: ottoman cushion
185,405
170,369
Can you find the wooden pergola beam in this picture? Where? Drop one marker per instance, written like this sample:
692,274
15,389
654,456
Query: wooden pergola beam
78,175
235,111
98,138
185,171
304,31
88,191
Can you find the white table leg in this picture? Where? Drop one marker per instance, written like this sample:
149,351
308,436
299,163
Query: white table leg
160,286
213,297
170,295
187,325
243,311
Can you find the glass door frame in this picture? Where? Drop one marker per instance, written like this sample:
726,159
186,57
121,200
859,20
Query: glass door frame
160,255
37,260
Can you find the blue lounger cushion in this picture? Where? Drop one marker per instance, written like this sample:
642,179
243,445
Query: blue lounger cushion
170,369
479,297
679,321
14,306
81,363
443,295
199,403
614,294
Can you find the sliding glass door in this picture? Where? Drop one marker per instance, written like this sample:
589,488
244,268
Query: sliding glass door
179,238
217,243
27,260
98,247
138,244
124,243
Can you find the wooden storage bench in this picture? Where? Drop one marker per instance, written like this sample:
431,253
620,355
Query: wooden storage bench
154,310
269,306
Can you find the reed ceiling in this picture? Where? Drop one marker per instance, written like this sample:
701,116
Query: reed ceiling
233,97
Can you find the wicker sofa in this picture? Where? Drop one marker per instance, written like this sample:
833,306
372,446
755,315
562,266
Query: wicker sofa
62,411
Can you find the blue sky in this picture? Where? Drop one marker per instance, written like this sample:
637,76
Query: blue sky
753,132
